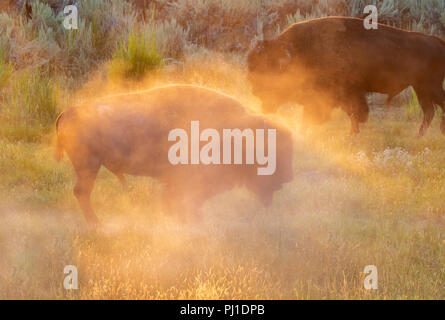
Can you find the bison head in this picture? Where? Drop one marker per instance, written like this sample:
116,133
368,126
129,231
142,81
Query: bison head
268,64
264,186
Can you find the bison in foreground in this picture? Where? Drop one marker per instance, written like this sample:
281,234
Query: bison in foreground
329,62
134,134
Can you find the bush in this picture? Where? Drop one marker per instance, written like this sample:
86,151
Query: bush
413,110
211,23
32,100
43,40
29,107
171,38
136,56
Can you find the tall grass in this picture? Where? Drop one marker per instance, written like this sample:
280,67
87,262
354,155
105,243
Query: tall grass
30,107
5,65
353,202
412,108
136,56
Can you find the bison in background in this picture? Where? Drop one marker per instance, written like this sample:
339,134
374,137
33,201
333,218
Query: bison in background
329,62
129,134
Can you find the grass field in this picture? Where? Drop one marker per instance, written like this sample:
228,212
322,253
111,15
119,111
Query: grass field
373,199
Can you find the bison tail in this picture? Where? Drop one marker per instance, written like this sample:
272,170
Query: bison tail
58,154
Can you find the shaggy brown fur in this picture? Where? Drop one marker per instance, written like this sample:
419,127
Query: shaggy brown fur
128,134
329,62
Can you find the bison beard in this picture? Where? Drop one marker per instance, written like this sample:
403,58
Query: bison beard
329,62
128,134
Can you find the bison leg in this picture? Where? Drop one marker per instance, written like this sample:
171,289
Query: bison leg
358,112
118,175
442,124
314,114
355,129
428,113
122,179
440,100
83,188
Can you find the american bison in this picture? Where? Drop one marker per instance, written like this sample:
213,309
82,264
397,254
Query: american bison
134,134
329,62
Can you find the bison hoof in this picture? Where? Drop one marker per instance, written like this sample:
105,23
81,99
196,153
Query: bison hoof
93,222
353,133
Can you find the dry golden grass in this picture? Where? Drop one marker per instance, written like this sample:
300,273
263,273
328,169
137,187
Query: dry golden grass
351,204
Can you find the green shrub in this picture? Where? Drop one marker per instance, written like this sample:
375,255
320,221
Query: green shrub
413,110
136,56
110,22
43,40
32,101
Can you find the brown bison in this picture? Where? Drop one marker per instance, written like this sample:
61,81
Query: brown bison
334,61
135,134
